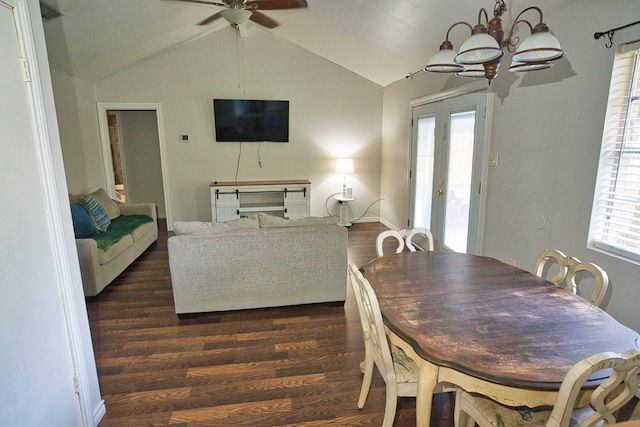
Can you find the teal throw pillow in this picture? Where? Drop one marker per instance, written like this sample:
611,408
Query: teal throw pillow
83,225
98,213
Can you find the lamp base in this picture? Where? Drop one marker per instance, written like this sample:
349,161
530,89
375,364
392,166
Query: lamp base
344,210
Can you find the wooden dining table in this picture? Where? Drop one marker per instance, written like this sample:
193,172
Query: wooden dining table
485,326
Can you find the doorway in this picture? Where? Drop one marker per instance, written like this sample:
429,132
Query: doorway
134,154
448,151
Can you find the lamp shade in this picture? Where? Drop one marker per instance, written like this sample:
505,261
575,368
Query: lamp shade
236,16
539,47
443,62
478,49
344,166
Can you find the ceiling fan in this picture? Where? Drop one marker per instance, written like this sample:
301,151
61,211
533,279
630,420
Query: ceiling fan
237,12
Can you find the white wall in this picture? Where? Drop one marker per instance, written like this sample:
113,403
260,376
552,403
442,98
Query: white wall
80,139
334,113
141,155
547,128
45,336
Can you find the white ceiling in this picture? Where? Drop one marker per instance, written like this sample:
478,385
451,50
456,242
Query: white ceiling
381,40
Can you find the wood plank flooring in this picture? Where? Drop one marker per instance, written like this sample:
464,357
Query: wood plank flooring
289,366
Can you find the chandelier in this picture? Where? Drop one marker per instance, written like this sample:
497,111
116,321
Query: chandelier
480,54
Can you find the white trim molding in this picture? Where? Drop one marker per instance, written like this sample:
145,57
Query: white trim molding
103,109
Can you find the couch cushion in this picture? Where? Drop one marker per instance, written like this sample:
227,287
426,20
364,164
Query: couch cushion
83,225
115,249
97,212
142,230
124,225
270,221
109,206
198,227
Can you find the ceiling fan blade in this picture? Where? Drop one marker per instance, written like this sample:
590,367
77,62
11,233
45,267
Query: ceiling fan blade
264,20
212,3
210,19
277,4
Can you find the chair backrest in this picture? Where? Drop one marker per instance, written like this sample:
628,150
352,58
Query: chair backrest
571,271
600,279
372,325
608,397
546,258
385,234
404,237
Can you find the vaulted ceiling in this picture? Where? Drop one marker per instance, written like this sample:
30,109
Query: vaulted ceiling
381,40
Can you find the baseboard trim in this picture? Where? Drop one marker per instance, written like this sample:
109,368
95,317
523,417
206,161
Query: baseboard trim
388,224
99,412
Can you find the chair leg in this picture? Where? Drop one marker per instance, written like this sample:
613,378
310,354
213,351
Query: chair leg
366,379
390,406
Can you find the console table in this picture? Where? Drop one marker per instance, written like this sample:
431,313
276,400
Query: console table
241,199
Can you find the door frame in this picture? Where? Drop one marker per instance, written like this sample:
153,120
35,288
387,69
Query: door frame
46,139
477,86
103,123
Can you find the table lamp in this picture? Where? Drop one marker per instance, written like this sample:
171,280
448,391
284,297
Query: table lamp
344,167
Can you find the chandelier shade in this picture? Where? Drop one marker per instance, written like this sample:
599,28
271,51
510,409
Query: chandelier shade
478,49
472,71
518,67
443,61
539,47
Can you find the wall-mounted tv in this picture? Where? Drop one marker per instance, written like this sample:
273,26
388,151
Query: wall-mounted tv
247,120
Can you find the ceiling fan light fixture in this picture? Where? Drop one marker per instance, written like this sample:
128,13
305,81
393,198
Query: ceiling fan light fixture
236,16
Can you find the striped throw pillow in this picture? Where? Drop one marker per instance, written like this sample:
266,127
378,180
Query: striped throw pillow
97,212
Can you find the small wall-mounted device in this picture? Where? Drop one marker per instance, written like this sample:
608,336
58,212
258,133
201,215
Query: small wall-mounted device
184,138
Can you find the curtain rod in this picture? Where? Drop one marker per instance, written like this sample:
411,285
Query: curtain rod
611,32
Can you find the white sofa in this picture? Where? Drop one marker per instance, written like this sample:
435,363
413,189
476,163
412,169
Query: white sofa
253,263
99,267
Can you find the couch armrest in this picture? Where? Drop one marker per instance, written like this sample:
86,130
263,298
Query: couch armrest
89,265
139,209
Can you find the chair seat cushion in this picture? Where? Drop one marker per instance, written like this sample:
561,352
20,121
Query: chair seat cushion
500,415
405,368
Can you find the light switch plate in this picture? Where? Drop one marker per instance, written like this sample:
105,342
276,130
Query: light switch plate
493,160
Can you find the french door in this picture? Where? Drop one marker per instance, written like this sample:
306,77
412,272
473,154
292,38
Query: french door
447,169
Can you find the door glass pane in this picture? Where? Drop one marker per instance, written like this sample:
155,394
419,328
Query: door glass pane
458,191
425,148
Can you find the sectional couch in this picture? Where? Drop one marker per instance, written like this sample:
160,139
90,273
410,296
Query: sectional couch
254,263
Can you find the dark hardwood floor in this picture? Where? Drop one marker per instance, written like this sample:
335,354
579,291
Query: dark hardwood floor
287,366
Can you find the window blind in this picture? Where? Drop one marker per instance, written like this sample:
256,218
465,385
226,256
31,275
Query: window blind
615,219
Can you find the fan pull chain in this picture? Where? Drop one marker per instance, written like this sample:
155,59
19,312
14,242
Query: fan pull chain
240,58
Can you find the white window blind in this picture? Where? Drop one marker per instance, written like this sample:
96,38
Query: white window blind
615,219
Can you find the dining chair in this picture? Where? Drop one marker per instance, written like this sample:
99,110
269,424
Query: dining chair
571,271
400,373
404,238
606,399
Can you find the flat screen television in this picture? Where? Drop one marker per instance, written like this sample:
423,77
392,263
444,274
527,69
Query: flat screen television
246,120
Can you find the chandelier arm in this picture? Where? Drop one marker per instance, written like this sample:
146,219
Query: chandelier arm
486,16
458,23
511,42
